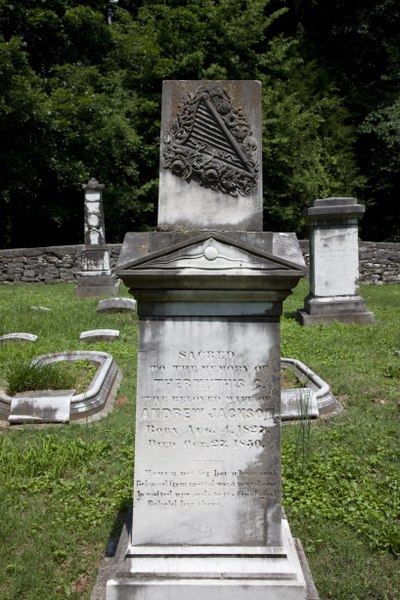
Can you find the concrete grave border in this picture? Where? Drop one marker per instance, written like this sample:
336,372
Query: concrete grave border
18,337
321,391
100,394
99,335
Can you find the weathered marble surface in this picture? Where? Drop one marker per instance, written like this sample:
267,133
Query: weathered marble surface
95,277
207,433
41,407
99,335
18,337
116,305
207,512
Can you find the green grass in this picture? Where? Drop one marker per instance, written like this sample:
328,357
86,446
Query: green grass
64,489
345,506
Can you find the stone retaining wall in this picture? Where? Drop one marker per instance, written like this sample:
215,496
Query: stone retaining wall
379,263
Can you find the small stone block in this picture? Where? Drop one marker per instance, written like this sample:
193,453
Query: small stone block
99,335
299,404
18,337
364,318
41,308
41,407
116,305
96,286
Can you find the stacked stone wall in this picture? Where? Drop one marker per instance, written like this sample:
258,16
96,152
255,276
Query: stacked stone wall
379,263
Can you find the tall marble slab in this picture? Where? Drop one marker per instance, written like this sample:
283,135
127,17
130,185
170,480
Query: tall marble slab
95,277
334,264
207,506
210,156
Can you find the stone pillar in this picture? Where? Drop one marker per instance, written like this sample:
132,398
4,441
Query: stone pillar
95,277
207,508
334,266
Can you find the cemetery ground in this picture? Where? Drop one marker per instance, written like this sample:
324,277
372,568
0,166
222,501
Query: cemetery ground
64,489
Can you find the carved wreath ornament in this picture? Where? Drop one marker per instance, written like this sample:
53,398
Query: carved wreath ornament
211,142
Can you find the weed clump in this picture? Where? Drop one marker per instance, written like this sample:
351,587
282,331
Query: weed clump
24,376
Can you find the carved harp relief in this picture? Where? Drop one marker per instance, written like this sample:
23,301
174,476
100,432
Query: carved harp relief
210,142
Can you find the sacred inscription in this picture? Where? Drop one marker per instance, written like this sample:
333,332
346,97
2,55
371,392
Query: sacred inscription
210,141
207,422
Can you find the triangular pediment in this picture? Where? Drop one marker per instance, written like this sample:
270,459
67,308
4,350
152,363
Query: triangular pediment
208,253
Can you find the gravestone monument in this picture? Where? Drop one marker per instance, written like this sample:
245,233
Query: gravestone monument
334,265
207,511
95,277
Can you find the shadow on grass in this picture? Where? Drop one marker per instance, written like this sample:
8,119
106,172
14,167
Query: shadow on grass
121,527
290,314
117,543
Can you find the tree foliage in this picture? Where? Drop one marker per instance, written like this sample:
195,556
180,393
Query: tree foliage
358,45
80,97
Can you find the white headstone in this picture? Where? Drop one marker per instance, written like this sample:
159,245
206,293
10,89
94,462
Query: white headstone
18,337
334,265
99,335
95,277
116,305
207,512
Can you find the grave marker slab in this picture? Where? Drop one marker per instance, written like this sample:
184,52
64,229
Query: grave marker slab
116,305
18,337
41,407
99,335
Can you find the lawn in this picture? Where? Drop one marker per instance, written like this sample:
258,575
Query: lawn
64,489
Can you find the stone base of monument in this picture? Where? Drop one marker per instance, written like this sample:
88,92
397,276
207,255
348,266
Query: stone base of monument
196,572
325,309
94,286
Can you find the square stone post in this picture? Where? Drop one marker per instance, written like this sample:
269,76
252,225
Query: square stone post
334,264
